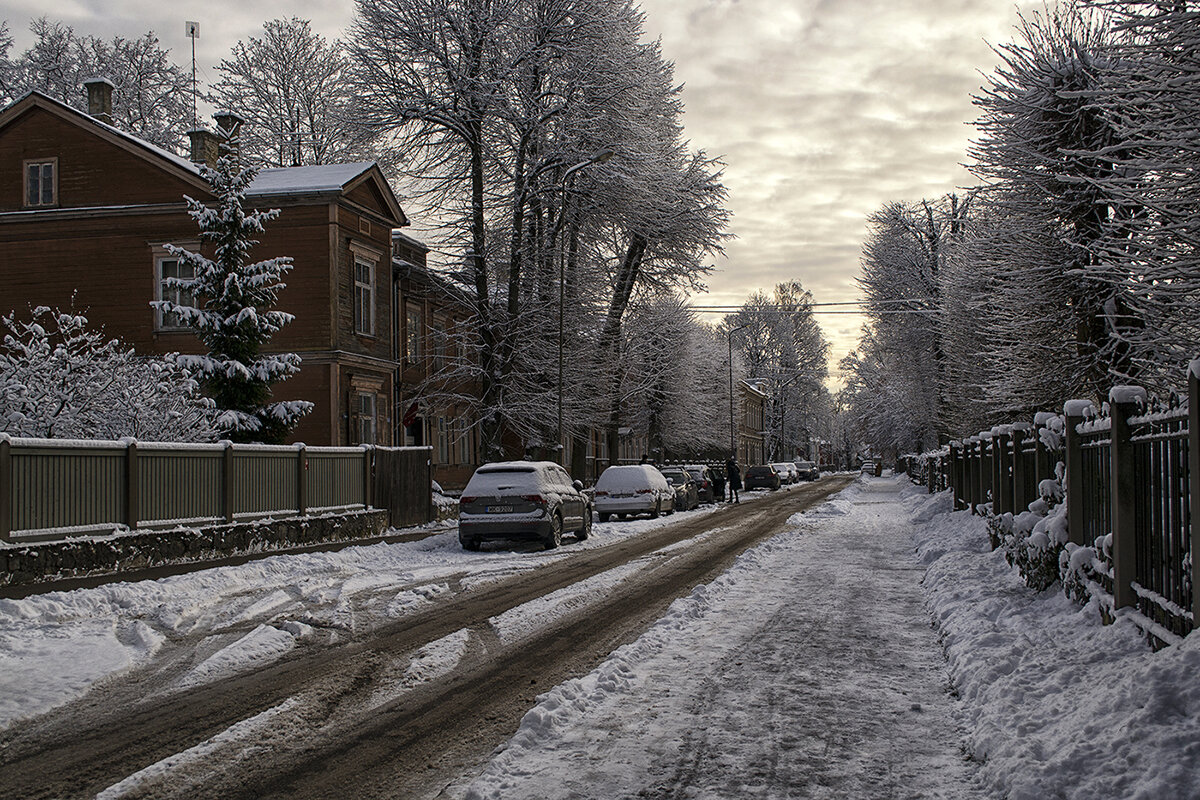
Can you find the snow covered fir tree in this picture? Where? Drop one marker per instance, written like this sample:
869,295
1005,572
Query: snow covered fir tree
230,306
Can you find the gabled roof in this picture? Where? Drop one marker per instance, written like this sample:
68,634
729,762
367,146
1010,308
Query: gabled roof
287,181
127,141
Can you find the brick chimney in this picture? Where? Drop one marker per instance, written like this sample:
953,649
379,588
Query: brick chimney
205,146
229,126
99,92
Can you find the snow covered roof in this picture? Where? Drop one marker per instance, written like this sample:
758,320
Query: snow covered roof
307,180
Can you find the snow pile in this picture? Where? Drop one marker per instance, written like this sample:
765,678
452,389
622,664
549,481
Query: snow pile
1059,705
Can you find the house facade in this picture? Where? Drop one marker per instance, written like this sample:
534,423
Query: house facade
752,401
86,211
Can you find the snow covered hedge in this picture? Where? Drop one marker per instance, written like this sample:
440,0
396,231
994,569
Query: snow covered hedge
59,379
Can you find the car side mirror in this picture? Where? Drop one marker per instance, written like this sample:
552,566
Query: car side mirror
578,485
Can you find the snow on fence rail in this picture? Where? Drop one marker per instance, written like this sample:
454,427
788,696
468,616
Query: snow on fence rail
1129,477
52,488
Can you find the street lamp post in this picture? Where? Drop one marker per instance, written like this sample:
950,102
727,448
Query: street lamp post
732,439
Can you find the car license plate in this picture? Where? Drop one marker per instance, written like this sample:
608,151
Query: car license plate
499,509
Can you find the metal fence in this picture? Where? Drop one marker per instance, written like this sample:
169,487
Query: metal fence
1130,477
53,489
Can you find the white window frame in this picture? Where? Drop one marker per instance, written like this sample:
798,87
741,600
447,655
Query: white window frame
364,296
413,349
160,257
366,421
42,164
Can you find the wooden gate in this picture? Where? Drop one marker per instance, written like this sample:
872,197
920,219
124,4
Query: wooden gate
404,484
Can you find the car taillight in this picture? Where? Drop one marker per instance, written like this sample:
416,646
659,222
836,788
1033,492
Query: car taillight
644,491
705,484
601,493
467,499
536,499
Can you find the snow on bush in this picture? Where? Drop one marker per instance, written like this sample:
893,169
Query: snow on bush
60,379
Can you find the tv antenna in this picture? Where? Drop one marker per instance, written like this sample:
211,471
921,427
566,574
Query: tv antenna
192,31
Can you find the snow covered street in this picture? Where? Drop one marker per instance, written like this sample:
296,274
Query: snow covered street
808,670
874,646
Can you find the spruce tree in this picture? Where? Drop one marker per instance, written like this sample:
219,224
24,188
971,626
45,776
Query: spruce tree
233,311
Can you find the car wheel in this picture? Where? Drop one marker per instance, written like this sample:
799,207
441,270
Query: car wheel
585,530
657,510
603,517
470,544
555,537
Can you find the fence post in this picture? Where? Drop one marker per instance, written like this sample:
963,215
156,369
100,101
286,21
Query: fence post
1020,500
301,479
6,481
1002,448
952,476
227,501
976,472
1041,469
1193,480
131,484
989,439
368,477
1123,405
1073,411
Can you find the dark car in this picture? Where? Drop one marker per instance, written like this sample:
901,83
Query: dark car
760,477
808,470
687,494
704,482
522,500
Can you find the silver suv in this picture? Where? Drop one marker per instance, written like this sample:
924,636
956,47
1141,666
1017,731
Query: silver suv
522,500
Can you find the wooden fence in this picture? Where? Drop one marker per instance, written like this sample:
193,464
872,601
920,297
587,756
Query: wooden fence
51,489
1129,481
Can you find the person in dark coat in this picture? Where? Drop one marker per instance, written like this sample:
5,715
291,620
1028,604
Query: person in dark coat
733,474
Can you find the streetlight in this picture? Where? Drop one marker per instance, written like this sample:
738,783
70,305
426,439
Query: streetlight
732,440
598,158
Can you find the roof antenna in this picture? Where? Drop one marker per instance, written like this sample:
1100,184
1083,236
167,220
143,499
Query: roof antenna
192,31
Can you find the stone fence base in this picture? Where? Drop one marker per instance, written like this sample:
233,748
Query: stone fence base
128,550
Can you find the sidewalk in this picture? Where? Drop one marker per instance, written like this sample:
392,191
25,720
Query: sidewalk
809,669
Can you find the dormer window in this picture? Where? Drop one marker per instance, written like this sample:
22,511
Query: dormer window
41,183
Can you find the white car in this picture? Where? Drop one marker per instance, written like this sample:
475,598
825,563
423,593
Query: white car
787,472
626,490
522,500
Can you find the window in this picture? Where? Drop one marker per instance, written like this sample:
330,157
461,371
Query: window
167,267
41,183
443,441
364,296
464,441
414,322
440,343
364,407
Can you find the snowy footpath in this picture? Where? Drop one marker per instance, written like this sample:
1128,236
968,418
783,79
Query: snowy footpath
809,669
877,648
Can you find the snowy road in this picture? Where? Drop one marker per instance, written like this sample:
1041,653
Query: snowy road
808,670
377,672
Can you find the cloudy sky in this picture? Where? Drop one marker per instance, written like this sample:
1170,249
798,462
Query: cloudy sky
823,110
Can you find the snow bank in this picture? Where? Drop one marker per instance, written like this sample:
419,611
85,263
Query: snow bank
1059,705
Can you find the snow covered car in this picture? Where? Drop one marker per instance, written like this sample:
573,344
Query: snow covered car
522,500
687,494
762,476
786,472
630,489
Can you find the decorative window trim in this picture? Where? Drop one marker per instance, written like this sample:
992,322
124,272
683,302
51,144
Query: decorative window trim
159,255
40,162
365,297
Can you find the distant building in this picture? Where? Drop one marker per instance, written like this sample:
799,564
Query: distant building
751,400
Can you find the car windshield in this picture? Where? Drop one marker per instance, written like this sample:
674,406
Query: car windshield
675,476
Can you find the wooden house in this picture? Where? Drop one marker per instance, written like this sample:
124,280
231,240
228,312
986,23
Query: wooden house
85,213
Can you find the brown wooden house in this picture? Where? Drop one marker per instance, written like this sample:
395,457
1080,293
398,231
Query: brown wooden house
85,212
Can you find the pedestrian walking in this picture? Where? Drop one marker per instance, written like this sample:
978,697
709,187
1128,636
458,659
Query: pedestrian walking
733,474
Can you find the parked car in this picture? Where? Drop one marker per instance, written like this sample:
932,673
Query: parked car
687,494
705,479
629,489
762,476
807,470
786,472
522,500
868,468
